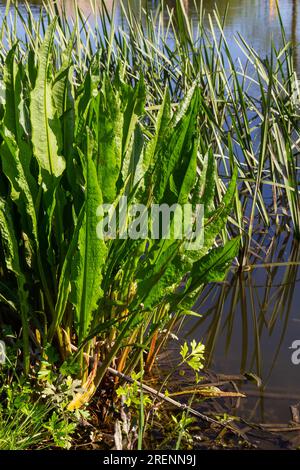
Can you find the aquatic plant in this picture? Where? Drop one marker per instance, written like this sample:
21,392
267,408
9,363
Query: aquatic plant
69,144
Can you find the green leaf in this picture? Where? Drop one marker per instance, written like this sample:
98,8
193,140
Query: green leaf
91,252
217,219
208,182
161,127
64,285
108,130
210,268
45,125
135,99
174,149
188,179
62,92
184,350
18,173
9,239
149,277
213,266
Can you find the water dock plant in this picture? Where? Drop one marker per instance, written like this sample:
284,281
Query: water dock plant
65,149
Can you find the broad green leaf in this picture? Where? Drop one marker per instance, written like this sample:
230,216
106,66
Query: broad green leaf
90,255
167,283
45,125
214,265
16,116
210,268
18,173
217,219
170,154
149,277
108,130
190,177
62,91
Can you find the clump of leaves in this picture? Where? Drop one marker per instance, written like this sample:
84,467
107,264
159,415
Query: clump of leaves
60,430
183,427
30,419
193,356
66,147
130,393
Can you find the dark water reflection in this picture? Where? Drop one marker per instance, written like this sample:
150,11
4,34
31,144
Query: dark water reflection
249,322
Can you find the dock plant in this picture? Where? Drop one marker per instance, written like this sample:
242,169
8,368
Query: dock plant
69,144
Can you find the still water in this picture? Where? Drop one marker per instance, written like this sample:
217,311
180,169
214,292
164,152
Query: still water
256,20
250,322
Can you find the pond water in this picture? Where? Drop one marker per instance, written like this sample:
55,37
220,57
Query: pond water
256,20
250,322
